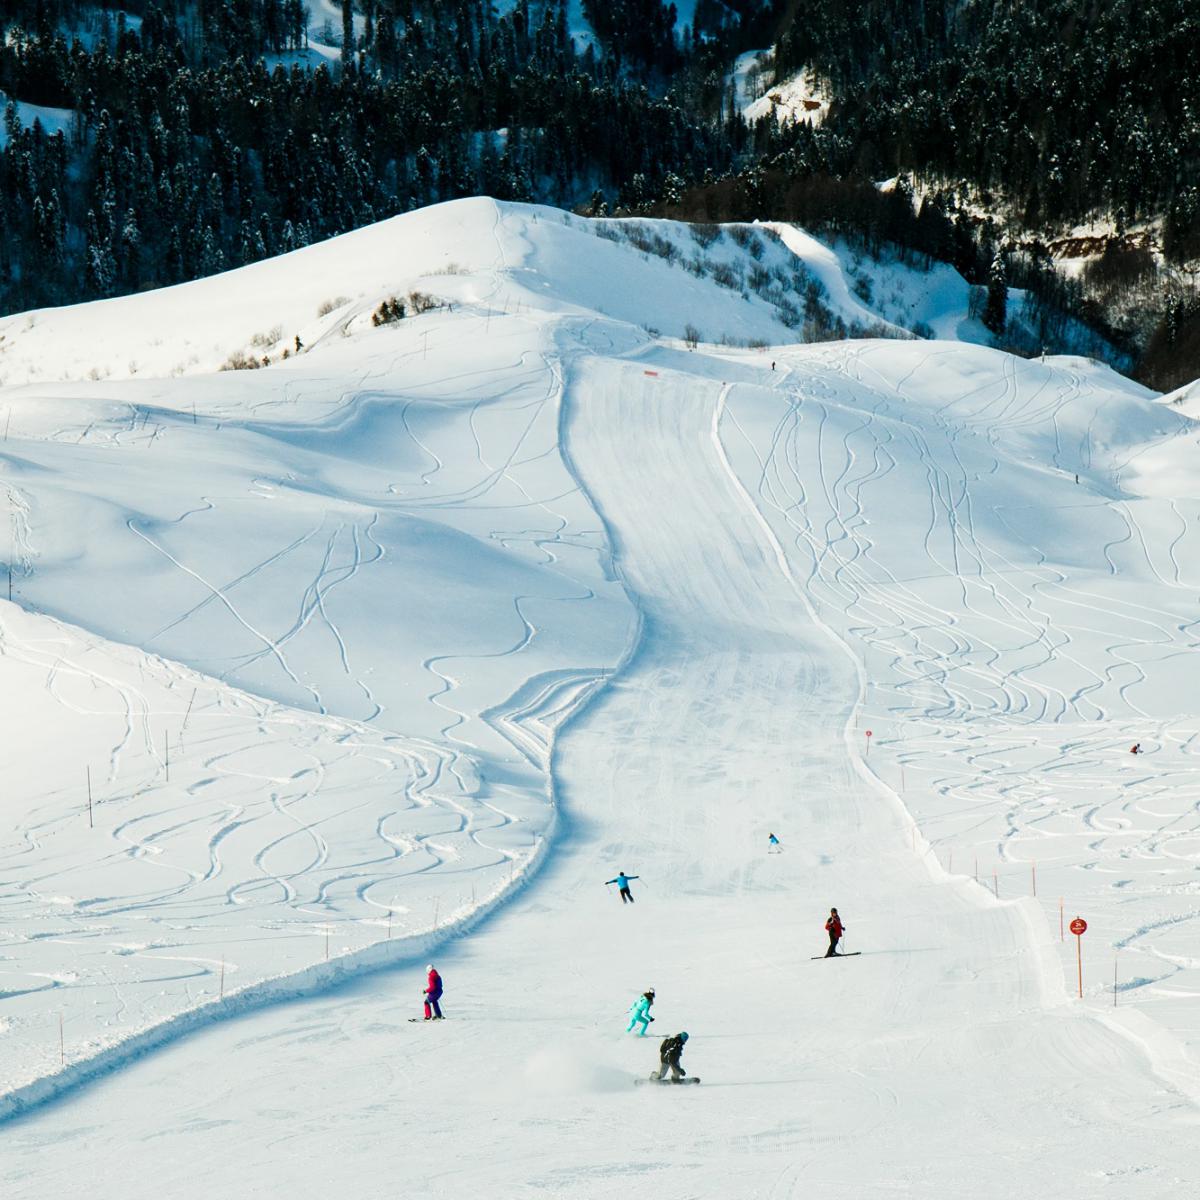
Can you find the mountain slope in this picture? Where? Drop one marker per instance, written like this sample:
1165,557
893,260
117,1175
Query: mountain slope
783,550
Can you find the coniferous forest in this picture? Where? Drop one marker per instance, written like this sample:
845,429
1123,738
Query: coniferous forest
199,137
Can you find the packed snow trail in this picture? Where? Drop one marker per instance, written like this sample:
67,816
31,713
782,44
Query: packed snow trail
945,1061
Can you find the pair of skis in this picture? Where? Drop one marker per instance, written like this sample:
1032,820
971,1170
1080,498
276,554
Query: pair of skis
848,954
655,1079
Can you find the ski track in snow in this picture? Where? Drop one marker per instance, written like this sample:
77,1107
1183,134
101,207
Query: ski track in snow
284,838
1004,761
385,581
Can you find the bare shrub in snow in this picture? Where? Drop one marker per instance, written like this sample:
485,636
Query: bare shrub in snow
423,302
650,242
262,341
328,306
691,336
877,329
610,233
727,276
821,325
706,234
389,312
698,267
788,314
741,234
239,360
809,286
923,330
1119,269
759,279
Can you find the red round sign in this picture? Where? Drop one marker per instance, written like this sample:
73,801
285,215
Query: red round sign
868,733
1078,927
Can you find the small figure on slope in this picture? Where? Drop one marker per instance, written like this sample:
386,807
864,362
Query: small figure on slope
773,846
622,882
1136,748
835,929
433,993
668,1056
640,1013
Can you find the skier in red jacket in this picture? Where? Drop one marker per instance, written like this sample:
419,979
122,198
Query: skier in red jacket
835,929
433,993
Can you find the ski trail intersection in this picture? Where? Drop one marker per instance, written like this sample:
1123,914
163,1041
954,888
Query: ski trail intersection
628,607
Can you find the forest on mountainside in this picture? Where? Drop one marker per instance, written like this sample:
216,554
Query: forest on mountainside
203,134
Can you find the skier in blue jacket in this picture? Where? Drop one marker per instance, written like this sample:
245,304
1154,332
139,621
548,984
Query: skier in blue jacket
640,1012
622,882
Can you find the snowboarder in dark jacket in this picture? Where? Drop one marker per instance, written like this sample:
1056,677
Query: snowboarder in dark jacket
835,929
622,882
668,1056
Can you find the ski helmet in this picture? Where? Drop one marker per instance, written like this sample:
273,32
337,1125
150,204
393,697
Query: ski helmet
429,966
683,1037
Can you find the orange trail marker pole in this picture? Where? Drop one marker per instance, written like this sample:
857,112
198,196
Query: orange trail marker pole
1078,928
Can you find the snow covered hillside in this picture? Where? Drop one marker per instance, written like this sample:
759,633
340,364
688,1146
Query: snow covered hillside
400,646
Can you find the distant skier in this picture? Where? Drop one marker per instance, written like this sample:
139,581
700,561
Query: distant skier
640,1013
835,929
668,1056
622,882
433,993
773,846
1136,748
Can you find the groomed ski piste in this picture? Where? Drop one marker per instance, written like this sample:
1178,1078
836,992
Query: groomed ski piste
395,649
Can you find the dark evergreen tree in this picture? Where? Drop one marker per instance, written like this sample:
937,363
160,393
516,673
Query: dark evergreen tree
995,311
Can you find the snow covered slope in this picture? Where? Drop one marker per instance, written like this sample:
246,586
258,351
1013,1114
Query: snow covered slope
362,591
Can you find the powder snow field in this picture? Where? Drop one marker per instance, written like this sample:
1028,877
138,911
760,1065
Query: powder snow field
491,603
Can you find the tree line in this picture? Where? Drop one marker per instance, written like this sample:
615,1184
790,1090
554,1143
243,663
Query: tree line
202,138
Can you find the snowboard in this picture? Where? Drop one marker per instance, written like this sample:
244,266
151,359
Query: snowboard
424,1020
848,954
672,1082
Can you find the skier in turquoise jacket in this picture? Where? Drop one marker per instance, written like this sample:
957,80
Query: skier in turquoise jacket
640,1012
